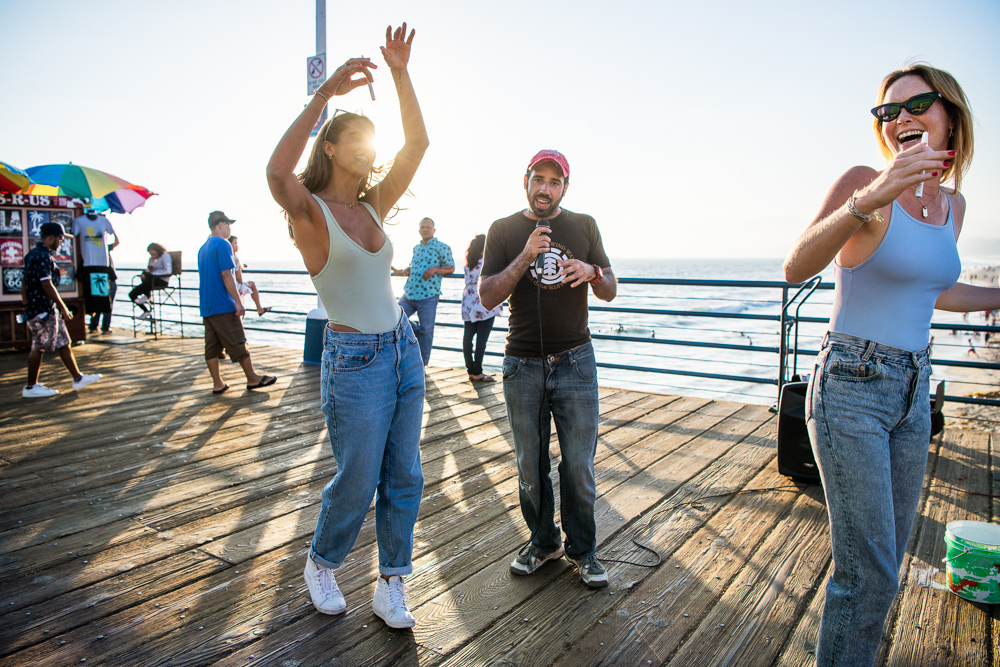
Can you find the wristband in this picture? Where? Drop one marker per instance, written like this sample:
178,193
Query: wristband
600,275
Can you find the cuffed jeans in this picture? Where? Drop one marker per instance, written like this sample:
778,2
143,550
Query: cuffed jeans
564,386
868,415
426,310
372,389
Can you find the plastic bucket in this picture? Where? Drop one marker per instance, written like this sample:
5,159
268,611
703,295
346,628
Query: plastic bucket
973,560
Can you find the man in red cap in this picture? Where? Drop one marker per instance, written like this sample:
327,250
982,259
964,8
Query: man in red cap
541,259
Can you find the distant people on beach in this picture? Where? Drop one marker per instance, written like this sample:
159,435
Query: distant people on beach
96,272
972,349
542,259
45,313
867,410
157,274
431,260
222,308
373,378
245,287
478,321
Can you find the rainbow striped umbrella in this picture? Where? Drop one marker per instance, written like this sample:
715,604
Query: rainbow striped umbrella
75,181
124,200
12,179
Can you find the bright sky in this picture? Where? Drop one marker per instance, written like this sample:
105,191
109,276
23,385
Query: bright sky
693,129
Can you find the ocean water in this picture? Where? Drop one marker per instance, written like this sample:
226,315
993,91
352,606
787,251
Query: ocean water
285,324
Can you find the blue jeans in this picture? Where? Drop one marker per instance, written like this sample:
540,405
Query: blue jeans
372,388
868,415
564,386
426,310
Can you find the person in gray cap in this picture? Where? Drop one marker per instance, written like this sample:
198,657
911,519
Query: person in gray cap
44,312
222,308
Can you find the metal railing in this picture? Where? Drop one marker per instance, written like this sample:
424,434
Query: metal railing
782,320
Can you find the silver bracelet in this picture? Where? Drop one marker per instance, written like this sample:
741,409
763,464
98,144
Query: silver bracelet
852,208
323,96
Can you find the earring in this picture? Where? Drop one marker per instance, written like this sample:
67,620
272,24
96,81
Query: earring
951,131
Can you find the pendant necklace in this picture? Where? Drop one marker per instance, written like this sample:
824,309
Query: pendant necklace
923,205
350,205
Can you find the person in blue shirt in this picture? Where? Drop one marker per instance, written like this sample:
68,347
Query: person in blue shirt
222,308
431,259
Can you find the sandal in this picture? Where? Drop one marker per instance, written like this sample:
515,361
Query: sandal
265,381
482,378
219,391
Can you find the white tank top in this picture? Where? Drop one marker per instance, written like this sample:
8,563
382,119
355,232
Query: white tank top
355,285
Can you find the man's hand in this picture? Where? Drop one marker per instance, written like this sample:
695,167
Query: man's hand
240,309
430,272
576,272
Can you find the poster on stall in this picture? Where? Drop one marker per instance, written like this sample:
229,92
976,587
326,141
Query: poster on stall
35,221
12,279
64,218
67,278
10,222
11,252
64,253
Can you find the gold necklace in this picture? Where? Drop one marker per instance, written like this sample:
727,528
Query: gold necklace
350,205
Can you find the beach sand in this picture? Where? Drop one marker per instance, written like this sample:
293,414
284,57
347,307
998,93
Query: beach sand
987,382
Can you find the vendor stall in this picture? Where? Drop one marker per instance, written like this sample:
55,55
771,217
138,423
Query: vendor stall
21,216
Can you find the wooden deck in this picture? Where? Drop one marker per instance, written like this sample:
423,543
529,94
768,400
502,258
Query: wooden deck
147,522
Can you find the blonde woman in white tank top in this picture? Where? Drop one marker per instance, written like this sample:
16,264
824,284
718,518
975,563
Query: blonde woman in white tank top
893,235
372,382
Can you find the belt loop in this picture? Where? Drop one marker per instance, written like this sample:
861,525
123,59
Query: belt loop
869,351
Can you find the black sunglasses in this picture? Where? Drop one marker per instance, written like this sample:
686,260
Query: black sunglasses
916,105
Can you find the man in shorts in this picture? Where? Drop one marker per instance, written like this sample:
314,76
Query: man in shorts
222,308
44,312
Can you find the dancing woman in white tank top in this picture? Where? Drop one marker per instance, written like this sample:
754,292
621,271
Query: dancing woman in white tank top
372,381
867,407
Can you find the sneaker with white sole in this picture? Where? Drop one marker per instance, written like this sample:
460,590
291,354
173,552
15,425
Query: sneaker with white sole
38,390
592,572
144,315
323,589
531,558
86,380
390,603
141,299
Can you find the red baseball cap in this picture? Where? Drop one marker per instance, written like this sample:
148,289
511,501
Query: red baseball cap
549,155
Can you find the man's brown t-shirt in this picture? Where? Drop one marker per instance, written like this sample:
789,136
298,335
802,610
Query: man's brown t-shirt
563,308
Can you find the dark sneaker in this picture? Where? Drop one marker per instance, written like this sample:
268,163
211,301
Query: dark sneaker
531,558
592,572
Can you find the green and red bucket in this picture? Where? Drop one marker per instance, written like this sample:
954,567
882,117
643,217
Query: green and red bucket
973,560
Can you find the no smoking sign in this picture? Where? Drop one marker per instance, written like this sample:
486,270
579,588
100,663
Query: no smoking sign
315,72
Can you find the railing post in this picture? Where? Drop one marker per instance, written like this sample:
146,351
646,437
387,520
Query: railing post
782,340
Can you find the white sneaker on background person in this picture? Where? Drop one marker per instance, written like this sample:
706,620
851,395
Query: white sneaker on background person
390,603
39,390
141,299
145,315
85,381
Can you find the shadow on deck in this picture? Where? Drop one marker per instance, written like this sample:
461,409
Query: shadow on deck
149,522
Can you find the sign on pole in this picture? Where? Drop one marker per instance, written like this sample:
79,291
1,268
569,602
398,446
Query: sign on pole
315,72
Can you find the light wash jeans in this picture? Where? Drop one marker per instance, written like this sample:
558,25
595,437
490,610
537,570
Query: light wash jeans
868,415
426,310
565,386
372,390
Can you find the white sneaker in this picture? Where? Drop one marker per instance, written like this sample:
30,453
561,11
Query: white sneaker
141,299
38,391
323,590
85,381
144,315
390,603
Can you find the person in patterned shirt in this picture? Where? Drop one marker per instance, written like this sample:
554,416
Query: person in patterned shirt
431,259
44,312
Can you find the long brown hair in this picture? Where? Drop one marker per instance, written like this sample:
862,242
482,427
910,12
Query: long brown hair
157,248
475,251
959,114
319,169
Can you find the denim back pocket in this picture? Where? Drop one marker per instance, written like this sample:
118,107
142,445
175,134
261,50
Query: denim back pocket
353,357
846,364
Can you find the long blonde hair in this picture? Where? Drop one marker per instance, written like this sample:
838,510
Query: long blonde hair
959,115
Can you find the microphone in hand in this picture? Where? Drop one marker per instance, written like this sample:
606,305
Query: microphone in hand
540,259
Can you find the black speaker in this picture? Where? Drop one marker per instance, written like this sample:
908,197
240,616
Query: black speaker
795,456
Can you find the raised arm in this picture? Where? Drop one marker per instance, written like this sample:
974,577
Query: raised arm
397,55
835,228
285,187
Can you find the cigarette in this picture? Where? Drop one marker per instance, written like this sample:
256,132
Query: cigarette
371,91
924,139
